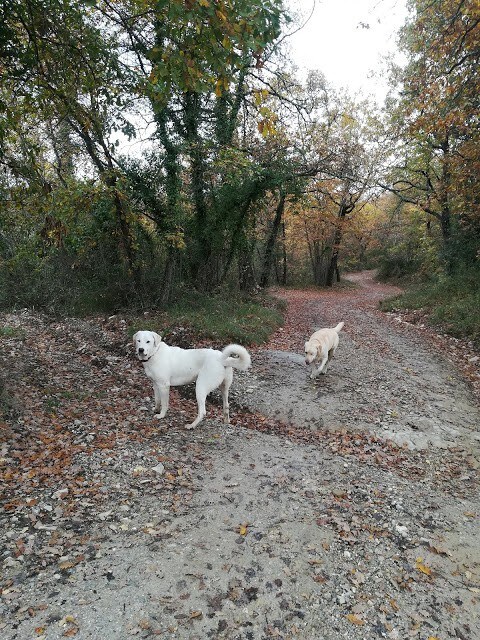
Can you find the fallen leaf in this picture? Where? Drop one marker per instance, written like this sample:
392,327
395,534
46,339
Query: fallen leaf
439,550
394,605
355,619
423,568
196,614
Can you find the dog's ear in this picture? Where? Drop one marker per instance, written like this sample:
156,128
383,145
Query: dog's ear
135,337
156,338
306,347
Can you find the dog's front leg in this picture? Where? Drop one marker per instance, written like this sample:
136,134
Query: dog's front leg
319,368
162,393
322,369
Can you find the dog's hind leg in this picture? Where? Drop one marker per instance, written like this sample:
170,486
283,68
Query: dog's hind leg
201,391
225,386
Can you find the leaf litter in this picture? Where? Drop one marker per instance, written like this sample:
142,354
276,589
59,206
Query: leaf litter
116,525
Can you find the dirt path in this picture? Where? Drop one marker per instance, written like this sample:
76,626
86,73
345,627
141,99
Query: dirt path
386,378
313,527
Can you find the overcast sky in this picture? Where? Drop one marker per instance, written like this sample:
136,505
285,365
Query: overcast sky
346,39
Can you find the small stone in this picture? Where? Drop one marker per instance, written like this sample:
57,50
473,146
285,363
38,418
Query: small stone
60,494
159,469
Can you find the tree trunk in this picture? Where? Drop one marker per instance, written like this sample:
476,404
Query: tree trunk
269,253
246,275
168,278
201,240
337,238
284,256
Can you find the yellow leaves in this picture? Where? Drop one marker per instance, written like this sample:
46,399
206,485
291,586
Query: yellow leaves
176,240
351,617
204,3
242,529
221,85
266,128
260,96
423,568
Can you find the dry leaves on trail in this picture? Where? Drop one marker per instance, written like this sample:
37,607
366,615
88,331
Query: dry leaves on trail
73,437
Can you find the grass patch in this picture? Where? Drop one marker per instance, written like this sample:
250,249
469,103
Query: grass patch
450,303
12,332
219,318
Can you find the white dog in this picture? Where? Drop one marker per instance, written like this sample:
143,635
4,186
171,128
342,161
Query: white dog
321,348
171,366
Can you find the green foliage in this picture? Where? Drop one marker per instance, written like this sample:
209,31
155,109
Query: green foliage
64,256
199,46
12,332
221,318
408,259
451,303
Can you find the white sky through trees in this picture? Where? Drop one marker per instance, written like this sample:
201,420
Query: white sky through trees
346,40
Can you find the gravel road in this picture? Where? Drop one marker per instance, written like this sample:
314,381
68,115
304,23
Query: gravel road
341,508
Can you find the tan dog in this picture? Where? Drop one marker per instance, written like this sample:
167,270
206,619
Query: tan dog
320,349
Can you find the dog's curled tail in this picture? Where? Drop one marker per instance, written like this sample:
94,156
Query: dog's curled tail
242,360
339,326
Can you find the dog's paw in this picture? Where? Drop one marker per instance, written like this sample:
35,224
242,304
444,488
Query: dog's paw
189,426
158,416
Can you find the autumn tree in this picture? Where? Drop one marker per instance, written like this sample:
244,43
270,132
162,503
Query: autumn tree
67,72
436,119
345,183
